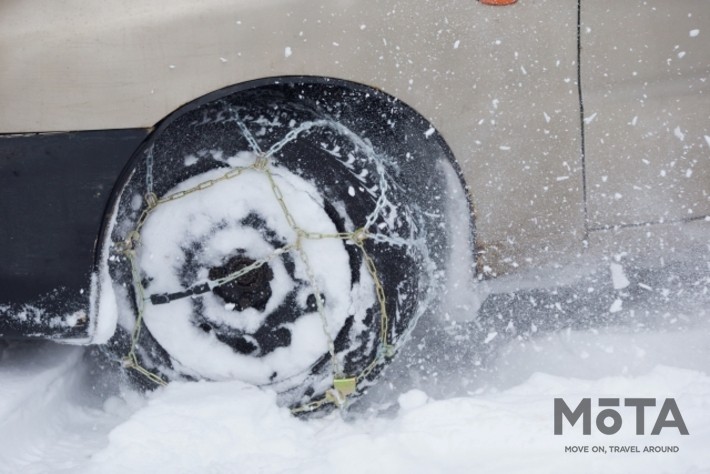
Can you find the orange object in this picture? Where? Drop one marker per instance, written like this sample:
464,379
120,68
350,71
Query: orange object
498,2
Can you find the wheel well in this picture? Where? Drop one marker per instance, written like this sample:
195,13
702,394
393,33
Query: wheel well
432,134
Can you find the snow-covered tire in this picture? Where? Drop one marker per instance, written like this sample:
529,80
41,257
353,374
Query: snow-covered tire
333,196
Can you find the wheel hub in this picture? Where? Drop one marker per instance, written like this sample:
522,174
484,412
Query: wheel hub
251,290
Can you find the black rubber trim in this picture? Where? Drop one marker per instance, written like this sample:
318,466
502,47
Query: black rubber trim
54,188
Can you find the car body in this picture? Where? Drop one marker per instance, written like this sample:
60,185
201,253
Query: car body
582,128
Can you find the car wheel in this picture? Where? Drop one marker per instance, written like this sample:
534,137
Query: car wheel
287,234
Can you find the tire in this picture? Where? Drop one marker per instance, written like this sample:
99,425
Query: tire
288,234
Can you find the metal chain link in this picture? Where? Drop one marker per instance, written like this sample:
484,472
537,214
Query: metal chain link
149,171
245,132
152,202
131,360
209,285
396,241
293,134
249,268
319,306
342,386
382,200
280,198
383,183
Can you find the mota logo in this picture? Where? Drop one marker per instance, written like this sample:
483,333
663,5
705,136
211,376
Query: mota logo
609,420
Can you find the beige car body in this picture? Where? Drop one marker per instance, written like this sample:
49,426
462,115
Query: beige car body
499,83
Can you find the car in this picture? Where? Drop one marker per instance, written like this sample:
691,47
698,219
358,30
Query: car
277,192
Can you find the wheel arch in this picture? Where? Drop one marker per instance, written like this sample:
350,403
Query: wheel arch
250,85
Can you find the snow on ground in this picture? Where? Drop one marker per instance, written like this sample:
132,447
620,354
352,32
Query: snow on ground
450,412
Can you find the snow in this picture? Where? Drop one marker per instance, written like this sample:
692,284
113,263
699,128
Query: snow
678,133
435,410
461,297
61,410
104,301
164,236
427,435
51,420
618,277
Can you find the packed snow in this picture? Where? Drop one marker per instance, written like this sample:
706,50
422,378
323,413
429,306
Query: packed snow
192,346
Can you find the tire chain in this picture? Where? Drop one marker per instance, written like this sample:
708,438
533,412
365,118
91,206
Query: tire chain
343,385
